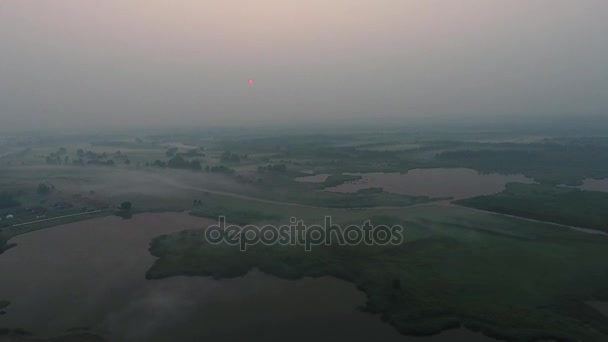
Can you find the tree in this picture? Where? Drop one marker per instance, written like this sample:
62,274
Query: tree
178,163
228,156
43,189
125,210
196,165
125,206
159,163
171,152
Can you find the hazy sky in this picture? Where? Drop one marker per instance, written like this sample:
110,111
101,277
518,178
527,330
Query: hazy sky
67,63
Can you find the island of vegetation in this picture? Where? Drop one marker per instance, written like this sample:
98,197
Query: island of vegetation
455,268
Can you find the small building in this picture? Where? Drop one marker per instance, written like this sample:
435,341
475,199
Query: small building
10,217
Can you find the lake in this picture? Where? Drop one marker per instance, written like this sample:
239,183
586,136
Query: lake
318,178
457,183
91,274
595,185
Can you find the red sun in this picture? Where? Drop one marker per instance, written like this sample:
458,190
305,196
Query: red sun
250,82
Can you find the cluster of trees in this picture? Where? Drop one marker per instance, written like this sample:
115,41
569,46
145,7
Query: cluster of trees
53,159
44,189
125,210
230,157
157,163
195,165
92,158
118,155
171,152
275,168
178,162
126,206
58,158
219,169
90,154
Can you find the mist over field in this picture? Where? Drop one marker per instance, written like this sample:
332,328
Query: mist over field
303,170
77,63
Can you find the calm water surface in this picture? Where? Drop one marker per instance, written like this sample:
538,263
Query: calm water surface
92,274
457,183
595,185
318,178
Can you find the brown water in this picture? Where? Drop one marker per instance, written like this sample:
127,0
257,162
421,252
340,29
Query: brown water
595,185
318,178
457,183
91,274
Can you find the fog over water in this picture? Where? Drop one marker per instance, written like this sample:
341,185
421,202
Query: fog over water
75,63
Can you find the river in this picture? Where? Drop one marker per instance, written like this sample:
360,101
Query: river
91,275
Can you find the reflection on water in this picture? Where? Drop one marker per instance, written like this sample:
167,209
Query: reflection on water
91,274
595,185
440,182
318,178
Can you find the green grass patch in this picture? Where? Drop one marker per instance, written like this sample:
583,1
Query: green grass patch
555,161
508,278
239,216
568,206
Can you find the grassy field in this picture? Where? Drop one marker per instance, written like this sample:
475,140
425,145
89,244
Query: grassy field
455,267
568,206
